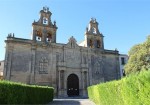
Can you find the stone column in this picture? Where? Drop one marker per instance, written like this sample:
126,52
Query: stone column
84,81
61,82
87,74
62,79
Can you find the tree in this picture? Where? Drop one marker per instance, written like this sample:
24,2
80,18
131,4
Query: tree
139,57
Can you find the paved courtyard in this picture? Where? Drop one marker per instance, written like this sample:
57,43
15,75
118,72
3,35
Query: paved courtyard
71,102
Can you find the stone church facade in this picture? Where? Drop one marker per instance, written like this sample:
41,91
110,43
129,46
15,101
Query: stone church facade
69,68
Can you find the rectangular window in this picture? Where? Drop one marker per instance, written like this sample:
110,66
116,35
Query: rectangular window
122,61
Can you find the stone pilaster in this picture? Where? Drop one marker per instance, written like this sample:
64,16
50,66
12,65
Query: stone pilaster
84,75
82,83
54,70
33,55
117,67
54,37
62,79
44,35
34,35
8,62
89,67
61,83
5,63
61,67
85,79
103,42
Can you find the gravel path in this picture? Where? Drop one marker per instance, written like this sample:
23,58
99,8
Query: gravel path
71,102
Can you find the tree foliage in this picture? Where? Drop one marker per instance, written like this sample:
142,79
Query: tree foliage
139,57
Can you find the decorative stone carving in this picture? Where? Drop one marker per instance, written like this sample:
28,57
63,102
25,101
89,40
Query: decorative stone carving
43,64
59,57
70,56
73,58
97,65
84,59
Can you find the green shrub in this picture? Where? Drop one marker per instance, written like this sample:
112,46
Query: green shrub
132,90
17,93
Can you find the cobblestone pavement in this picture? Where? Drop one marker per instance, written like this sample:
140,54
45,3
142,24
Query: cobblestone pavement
71,102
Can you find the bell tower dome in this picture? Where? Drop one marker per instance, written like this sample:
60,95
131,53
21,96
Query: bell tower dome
44,30
93,38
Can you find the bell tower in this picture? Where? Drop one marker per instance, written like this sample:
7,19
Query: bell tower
93,38
44,30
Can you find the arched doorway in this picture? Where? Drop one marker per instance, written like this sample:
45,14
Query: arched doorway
73,85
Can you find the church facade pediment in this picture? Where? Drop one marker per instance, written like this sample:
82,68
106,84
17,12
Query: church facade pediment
72,43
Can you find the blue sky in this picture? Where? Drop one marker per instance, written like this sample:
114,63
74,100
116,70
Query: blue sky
124,23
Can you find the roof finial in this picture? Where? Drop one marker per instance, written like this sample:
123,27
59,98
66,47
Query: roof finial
93,19
45,9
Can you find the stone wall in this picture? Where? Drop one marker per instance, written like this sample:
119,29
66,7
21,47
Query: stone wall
1,69
52,64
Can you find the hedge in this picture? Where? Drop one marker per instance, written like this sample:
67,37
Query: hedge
17,93
132,90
